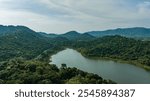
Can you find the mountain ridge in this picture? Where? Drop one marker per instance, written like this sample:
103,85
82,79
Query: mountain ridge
18,41
73,35
133,32
7,30
127,32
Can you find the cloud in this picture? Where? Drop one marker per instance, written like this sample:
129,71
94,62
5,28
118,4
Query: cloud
83,15
144,8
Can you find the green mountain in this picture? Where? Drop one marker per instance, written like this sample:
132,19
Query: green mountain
16,41
72,35
75,36
7,30
48,35
85,37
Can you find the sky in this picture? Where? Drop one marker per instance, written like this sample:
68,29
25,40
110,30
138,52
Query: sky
60,16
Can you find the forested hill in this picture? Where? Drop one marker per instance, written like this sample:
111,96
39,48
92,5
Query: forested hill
75,36
20,41
117,47
7,30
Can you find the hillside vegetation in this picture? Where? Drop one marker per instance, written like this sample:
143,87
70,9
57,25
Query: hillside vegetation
117,47
22,71
24,55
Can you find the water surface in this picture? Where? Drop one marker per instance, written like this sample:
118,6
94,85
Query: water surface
118,72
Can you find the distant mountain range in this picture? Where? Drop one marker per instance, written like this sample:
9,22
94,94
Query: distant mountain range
127,32
136,32
71,35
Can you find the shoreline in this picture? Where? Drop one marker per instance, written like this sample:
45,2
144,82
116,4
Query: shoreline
145,67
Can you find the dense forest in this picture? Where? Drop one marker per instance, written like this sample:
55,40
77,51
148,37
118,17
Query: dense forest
26,43
117,47
25,54
36,72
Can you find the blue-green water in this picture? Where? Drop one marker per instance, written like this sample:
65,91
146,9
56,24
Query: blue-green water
118,72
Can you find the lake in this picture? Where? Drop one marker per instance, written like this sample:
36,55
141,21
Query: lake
119,72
